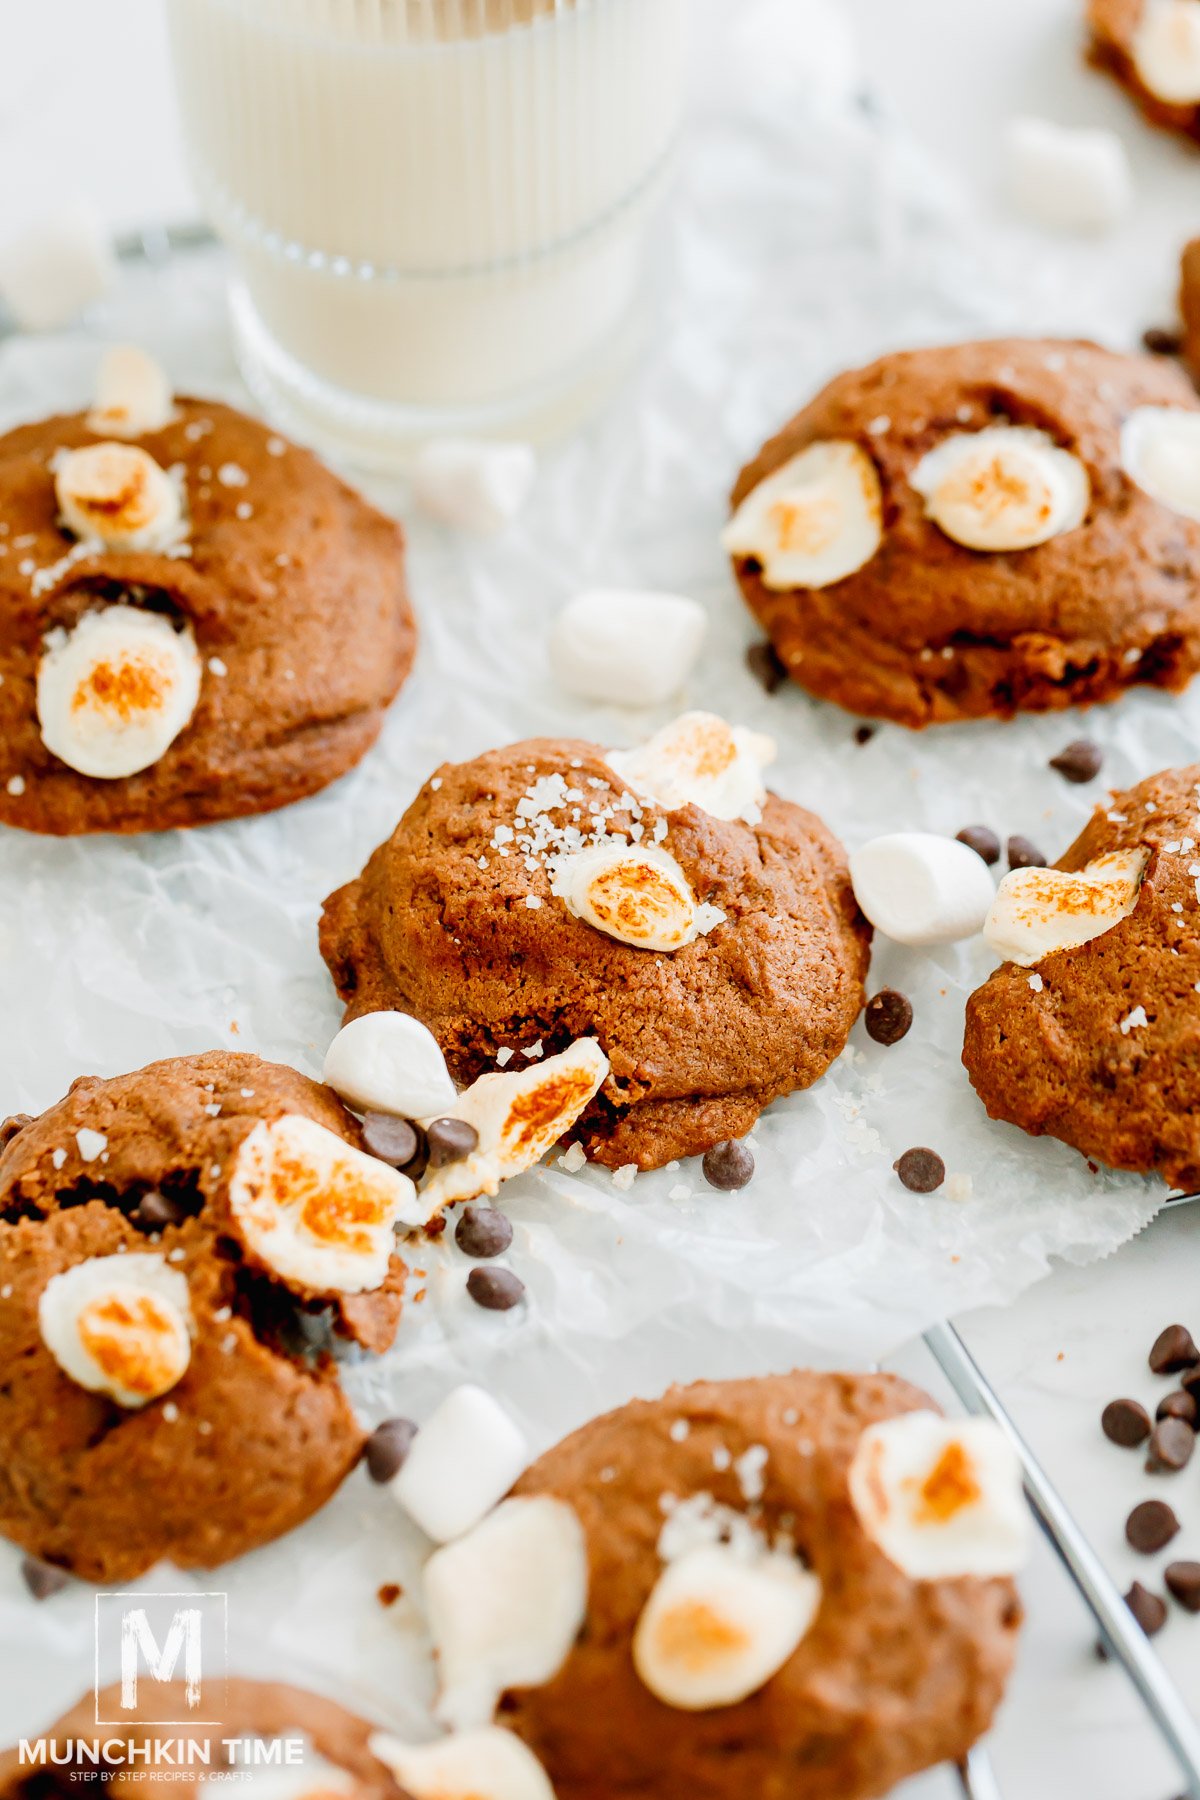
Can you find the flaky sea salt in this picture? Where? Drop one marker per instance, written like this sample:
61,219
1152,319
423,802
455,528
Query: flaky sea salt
1134,1021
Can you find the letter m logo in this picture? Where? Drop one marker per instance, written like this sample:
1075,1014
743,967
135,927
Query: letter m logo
152,1641
138,1643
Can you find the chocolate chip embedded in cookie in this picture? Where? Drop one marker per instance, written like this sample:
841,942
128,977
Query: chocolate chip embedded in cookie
197,620
718,1570
1087,1032
653,911
1152,47
1017,543
177,1248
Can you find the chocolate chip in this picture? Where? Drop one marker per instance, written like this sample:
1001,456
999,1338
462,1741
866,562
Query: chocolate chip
864,733
888,1017
920,1170
1125,1422
982,840
728,1165
766,666
1189,1381
1173,1350
1178,1405
1150,1526
1150,1610
1183,1581
449,1141
392,1140
497,1289
386,1448
1170,1447
482,1231
1080,761
154,1210
43,1579
1024,855
1160,340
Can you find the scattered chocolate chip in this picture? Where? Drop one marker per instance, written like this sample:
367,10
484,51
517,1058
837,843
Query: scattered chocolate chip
482,1231
386,1448
1159,340
1079,762
154,1210
920,1170
982,840
497,1289
1150,1610
889,1016
1150,1526
1170,1447
1125,1422
449,1141
1173,1350
11,1126
43,1579
392,1140
1178,1405
389,1593
1183,1581
1189,1381
766,666
864,733
728,1165
1024,855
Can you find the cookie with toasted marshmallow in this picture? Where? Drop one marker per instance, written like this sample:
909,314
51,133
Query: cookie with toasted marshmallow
680,1596
180,1249
632,949
197,619
980,529
1152,48
1087,1030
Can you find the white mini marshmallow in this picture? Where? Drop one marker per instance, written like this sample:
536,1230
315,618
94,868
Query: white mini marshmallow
472,483
918,888
1008,487
490,1764
699,760
133,394
53,269
115,692
719,1624
318,1213
638,896
388,1062
463,1460
117,495
636,649
1160,451
813,521
1166,50
941,1497
119,1325
505,1604
1038,911
1069,180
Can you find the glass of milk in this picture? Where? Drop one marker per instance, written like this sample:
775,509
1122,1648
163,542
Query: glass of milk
437,208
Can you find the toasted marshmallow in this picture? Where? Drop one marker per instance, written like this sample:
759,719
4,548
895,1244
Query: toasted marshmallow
699,760
941,1497
319,1214
115,692
518,1114
718,1624
56,267
133,395
505,1604
490,1764
1166,50
119,1325
638,896
388,1062
118,495
636,649
1068,179
1160,451
1007,487
814,521
921,889
463,1460
472,483
1038,911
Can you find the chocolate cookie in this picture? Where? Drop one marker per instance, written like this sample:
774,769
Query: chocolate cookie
1152,48
744,1630
178,1249
542,894
958,533
197,619
1189,306
336,1757
1094,1041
